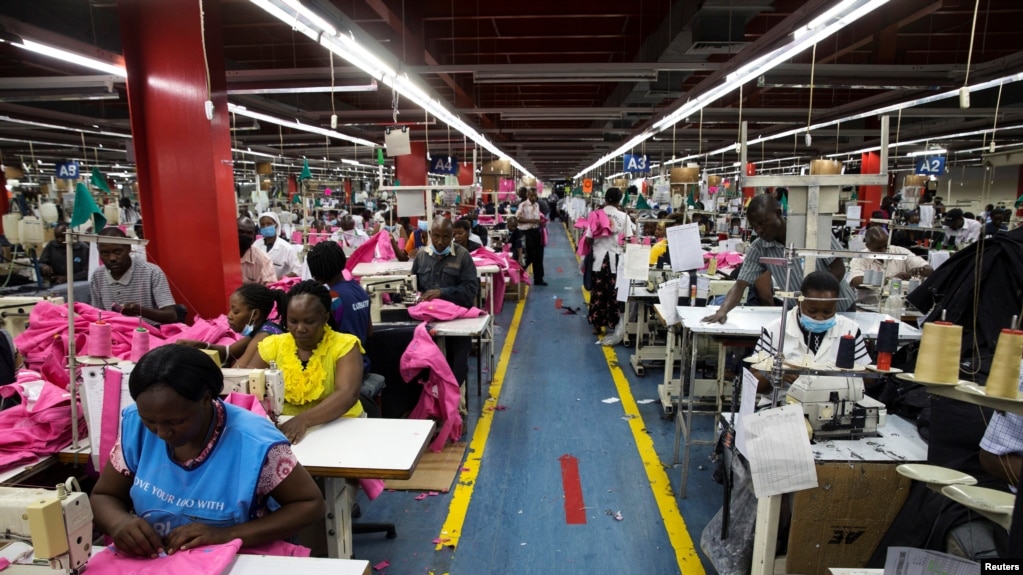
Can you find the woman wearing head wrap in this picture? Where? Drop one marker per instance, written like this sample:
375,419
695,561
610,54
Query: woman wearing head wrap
281,253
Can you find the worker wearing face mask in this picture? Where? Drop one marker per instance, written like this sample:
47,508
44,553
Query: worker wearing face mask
281,252
419,238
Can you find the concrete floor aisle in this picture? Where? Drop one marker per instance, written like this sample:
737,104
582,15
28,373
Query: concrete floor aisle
564,427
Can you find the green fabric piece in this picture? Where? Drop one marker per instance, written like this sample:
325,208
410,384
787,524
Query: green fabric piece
642,204
99,181
296,199
85,207
306,173
380,156
625,200
1019,201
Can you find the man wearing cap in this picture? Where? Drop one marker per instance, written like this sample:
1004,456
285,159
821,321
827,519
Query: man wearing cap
959,230
877,242
282,255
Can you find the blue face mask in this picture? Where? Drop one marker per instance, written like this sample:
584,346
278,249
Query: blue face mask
446,251
268,232
248,329
816,326
423,225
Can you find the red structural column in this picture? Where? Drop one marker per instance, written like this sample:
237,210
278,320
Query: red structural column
870,163
751,170
183,159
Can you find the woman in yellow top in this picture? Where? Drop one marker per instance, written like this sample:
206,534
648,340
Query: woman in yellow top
322,367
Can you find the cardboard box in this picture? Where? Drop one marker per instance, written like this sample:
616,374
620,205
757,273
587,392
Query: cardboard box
840,523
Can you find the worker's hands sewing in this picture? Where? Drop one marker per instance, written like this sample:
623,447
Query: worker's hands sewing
294,429
904,276
136,536
431,294
194,535
719,316
132,309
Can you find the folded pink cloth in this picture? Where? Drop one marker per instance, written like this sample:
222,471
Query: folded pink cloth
441,310
207,560
40,425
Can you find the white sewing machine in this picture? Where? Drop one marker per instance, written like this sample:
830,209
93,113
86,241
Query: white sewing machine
14,311
59,523
836,407
265,384
403,288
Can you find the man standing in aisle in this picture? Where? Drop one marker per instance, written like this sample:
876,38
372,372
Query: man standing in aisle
256,265
528,216
765,217
445,270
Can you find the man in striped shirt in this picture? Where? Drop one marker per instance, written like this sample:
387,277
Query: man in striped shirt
764,216
129,286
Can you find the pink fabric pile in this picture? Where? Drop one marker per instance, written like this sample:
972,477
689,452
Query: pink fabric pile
40,426
45,343
440,395
509,267
726,260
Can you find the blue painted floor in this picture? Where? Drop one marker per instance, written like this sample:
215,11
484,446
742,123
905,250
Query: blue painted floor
553,390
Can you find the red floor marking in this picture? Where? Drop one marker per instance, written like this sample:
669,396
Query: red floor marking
575,509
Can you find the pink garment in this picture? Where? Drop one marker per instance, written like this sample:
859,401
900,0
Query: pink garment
501,260
440,395
581,223
441,310
285,283
207,560
111,425
246,401
597,225
376,249
543,230
40,425
44,344
315,238
277,549
725,259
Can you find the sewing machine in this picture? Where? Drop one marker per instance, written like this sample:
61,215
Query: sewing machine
14,311
265,384
59,524
402,286
836,407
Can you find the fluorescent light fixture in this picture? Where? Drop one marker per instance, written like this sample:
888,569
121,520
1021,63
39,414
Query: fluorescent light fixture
349,162
242,111
65,128
924,140
251,153
303,20
371,87
71,57
822,27
582,76
934,152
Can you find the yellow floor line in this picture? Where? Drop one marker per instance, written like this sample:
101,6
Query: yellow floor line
452,528
685,551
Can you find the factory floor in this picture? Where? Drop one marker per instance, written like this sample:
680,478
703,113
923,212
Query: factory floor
563,423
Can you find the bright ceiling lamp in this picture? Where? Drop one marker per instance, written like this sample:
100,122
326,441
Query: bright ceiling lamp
242,111
834,19
71,57
884,110
66,128
925,140
308,22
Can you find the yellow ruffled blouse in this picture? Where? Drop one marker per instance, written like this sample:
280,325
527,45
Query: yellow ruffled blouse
306,387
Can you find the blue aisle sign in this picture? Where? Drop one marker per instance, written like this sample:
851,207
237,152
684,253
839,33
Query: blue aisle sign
930,165
67,170
443,165
636,163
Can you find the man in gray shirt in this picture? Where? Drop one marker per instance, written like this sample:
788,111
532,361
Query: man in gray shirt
764,216
128,286
445,270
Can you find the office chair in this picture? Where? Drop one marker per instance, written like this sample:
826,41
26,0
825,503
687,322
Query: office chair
372,410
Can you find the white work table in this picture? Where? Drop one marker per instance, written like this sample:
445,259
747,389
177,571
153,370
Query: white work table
475,327
351,448
250,565
382,268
